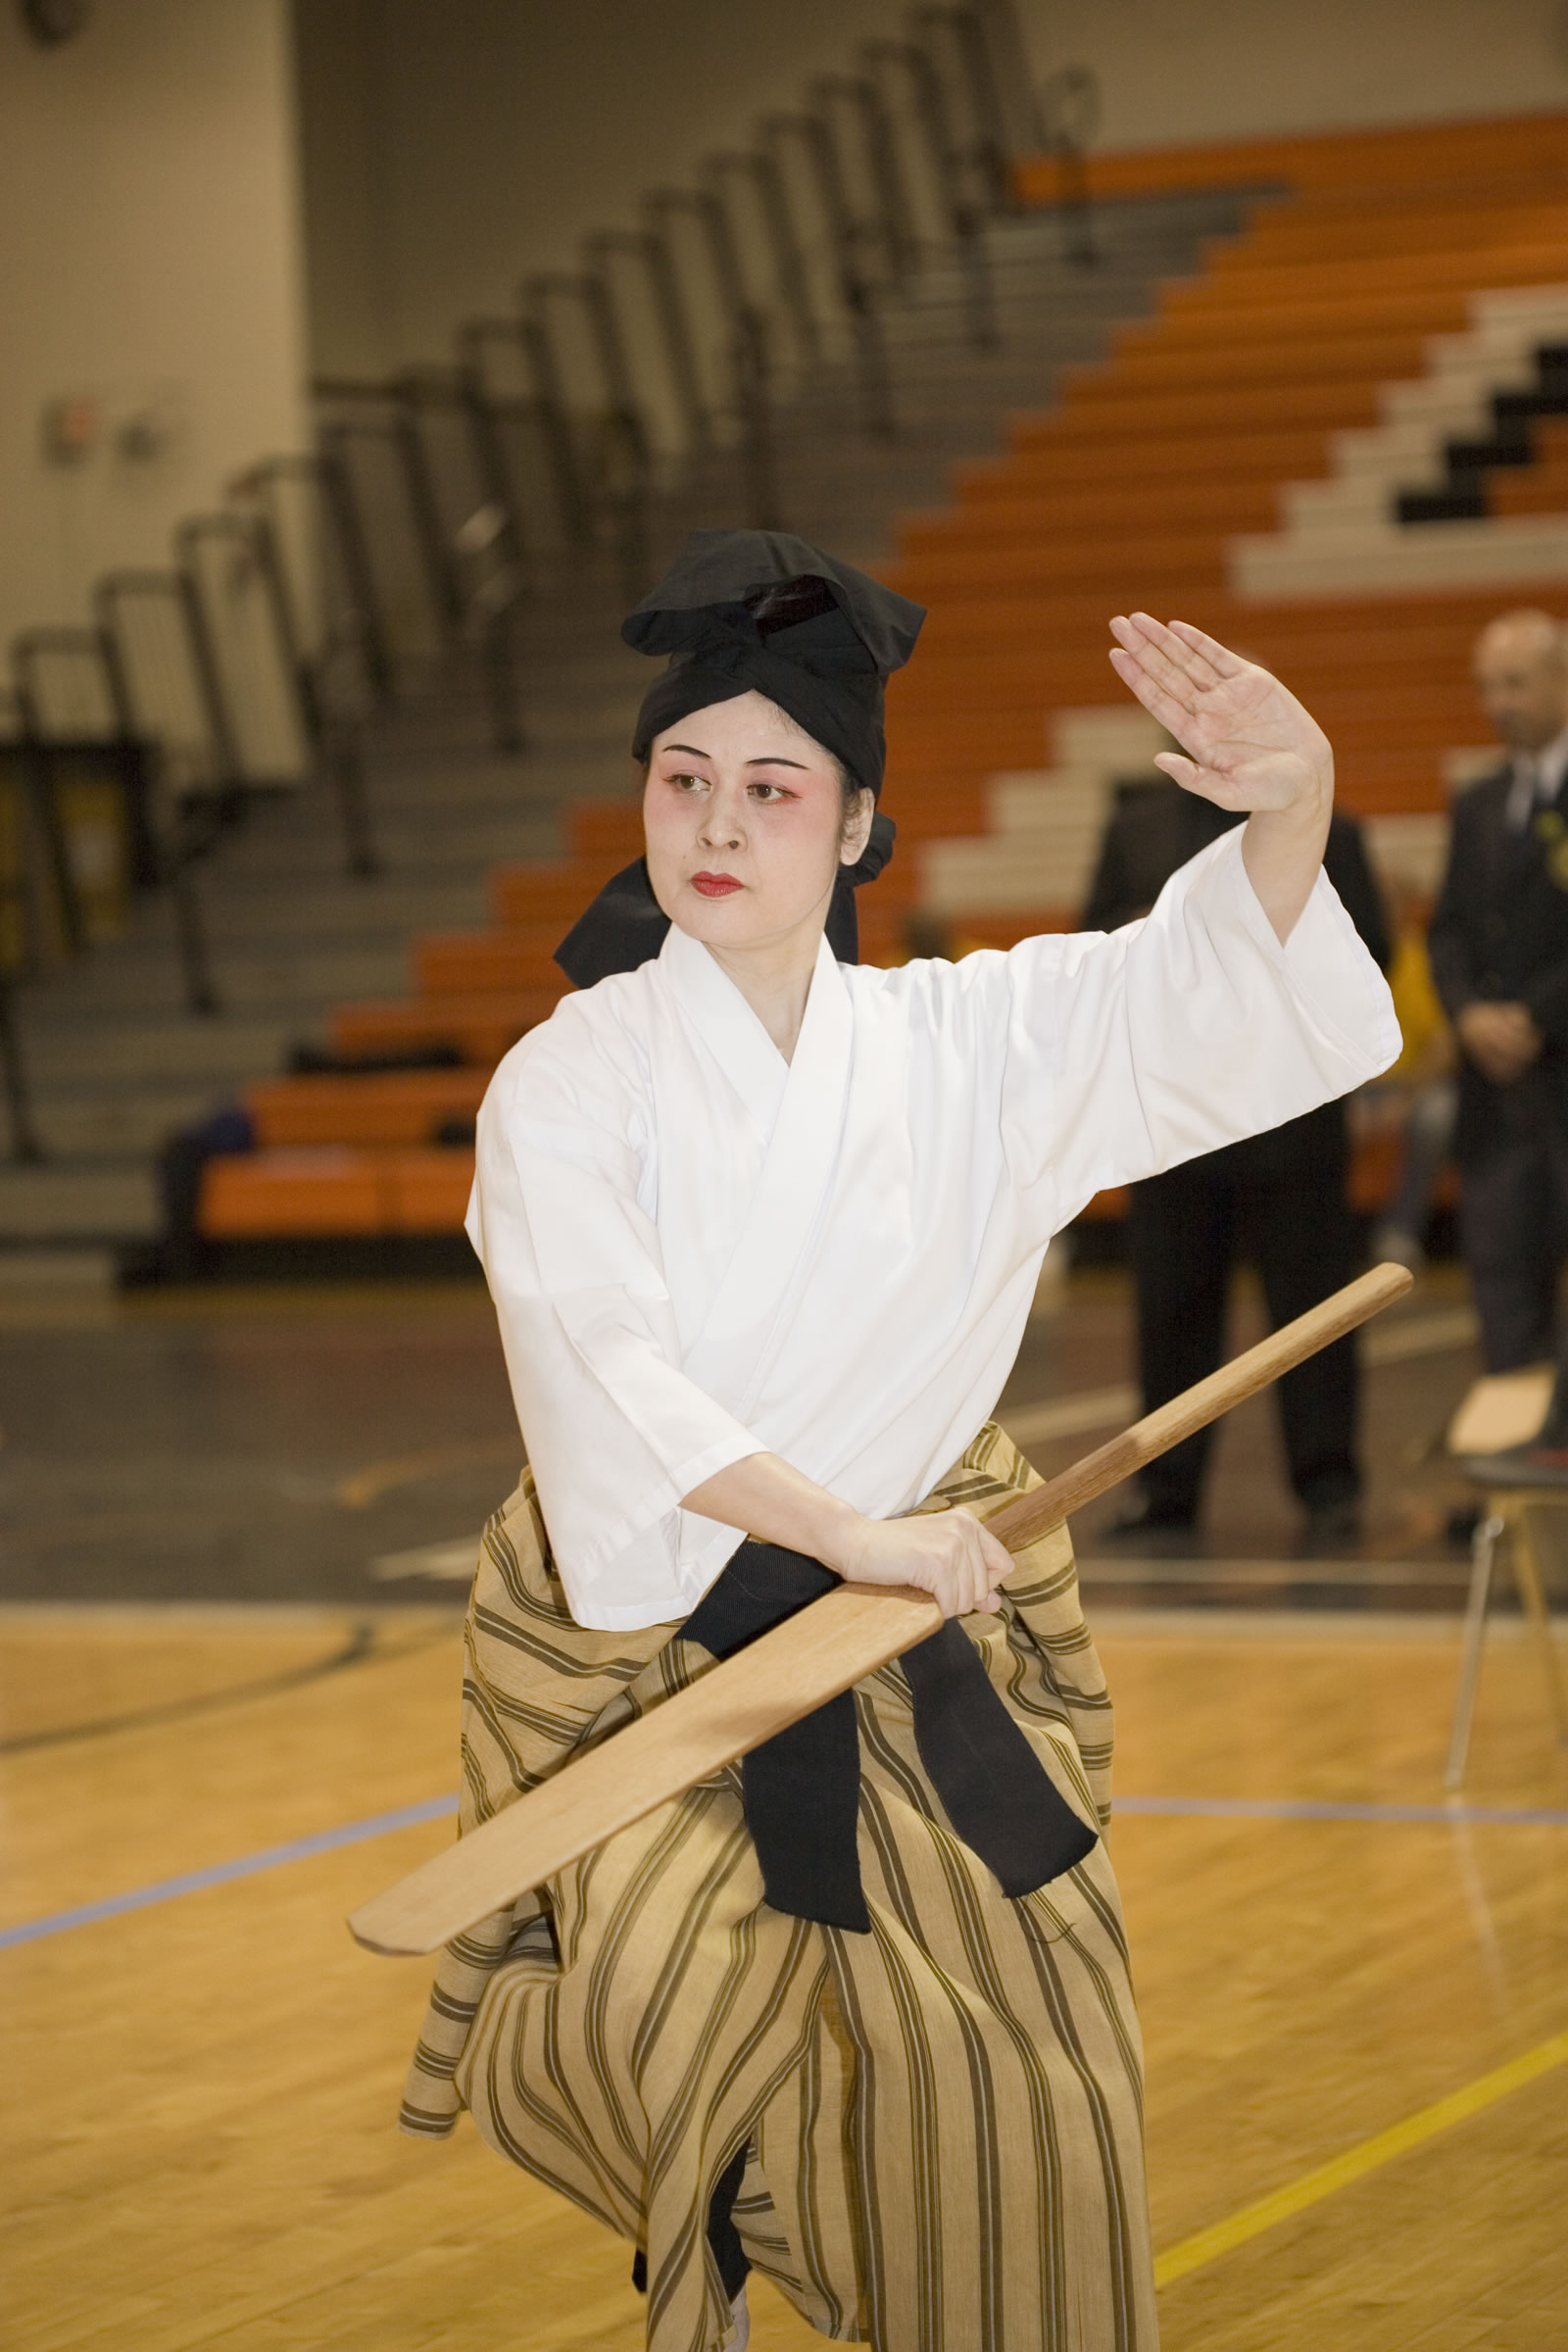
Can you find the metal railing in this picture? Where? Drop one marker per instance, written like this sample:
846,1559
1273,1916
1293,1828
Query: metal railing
433,505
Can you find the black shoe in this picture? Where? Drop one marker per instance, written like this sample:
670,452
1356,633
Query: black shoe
1332,1531
1147,1531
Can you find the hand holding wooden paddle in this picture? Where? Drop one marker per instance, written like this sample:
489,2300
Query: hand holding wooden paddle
794,1669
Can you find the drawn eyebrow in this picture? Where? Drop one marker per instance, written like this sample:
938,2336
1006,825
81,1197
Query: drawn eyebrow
764,759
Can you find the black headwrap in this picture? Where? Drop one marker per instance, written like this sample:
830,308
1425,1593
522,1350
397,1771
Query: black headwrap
744,610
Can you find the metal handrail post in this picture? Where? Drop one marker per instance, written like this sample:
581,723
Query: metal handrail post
364,626
26,1150
789,266
333,738
893,227
354,548
177,854
965,219
1069,105
544,373
857,297
747,342
977,67
25,651
674,326
424,503
630,469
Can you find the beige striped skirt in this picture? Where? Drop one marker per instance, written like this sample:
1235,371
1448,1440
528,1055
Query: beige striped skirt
944,2117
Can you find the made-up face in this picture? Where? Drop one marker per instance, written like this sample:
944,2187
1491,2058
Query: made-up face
744,820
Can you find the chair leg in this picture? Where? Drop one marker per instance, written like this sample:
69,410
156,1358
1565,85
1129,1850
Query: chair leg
1483,1555
1527,1570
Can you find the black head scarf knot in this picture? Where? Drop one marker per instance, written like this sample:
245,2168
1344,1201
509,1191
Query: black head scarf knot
758,610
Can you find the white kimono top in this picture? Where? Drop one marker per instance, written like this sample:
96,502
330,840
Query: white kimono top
699,1251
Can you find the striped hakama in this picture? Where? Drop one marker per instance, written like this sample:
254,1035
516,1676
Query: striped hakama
944,2116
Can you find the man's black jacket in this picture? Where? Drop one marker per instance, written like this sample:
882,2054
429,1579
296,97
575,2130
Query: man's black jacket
1154,828
1500,932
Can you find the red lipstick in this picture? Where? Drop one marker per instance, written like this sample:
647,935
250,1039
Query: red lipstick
716,886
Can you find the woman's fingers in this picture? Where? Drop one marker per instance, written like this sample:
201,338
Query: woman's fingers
1171,665
1177,652
1174,716
1220,659
947,1555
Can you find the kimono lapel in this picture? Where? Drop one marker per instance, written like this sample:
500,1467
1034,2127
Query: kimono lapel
809,1097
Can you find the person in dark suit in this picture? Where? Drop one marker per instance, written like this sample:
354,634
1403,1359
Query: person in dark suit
1499,944
1282,1195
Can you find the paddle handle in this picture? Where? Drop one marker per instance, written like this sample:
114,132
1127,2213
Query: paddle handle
1025,1521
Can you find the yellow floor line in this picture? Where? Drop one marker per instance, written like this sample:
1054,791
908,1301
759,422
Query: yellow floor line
1221,2237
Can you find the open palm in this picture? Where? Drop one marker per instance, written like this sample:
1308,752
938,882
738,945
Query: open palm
1249,742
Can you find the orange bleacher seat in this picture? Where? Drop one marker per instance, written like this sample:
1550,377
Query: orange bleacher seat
1449,154
472,963
394,1106
481,1028
548,895
267,1194
427,1192
609,830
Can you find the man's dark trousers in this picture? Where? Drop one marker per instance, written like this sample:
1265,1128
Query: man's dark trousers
1514,1218
1283,1198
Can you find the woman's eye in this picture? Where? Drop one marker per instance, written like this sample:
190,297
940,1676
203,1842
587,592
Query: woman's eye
768,792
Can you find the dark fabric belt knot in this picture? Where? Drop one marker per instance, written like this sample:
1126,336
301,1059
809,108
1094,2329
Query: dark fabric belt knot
802,1789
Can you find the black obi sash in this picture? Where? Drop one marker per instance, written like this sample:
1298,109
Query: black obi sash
802,1789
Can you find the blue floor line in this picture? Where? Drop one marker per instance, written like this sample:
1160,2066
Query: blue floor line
440,1808
219,1874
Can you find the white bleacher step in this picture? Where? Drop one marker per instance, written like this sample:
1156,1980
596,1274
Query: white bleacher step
1116,737
1341,534
994,877
1047,822
1372,559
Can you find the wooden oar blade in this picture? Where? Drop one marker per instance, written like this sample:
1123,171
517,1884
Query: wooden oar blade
725,1713
798,1666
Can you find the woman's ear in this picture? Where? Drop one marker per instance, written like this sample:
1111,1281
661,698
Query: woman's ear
857,829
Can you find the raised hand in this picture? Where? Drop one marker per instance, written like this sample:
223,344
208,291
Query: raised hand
1249,743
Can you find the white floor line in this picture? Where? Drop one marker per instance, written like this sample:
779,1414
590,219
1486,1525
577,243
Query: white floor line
442,1562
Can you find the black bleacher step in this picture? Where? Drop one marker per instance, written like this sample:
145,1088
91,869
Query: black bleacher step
1511,442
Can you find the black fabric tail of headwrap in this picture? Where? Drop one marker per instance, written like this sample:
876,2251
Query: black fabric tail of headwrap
802,1789
625,925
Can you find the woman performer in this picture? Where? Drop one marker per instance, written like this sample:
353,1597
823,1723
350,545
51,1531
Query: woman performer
762,1226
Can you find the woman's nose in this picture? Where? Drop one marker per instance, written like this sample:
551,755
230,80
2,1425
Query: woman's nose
720,828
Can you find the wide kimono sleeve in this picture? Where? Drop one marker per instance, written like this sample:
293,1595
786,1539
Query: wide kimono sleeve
1131,1051
561,1218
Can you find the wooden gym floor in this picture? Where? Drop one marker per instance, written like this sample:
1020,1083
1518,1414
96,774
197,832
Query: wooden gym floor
1355,2000
198,2095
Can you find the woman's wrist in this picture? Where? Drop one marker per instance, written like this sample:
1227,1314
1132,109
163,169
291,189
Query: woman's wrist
776,1502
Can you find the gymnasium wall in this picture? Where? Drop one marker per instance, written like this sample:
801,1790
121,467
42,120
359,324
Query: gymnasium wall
150,269
450,143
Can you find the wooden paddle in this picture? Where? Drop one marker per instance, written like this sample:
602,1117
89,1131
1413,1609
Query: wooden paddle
800,1665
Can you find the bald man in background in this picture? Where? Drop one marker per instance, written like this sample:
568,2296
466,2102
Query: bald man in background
1499,944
